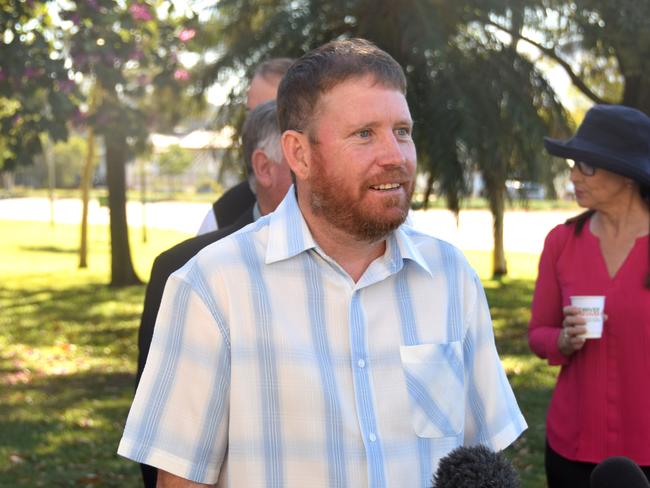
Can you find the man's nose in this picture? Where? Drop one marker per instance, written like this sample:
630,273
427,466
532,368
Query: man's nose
392,151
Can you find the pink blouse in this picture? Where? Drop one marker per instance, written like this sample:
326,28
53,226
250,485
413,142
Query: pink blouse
601,403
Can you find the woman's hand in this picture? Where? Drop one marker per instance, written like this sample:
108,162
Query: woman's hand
573,328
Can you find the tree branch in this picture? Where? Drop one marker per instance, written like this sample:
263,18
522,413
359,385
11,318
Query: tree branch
550,52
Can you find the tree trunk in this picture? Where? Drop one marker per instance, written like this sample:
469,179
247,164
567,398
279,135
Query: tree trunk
497,206
7,179
86,178
122,271
51,176
143,198
637,93
427,191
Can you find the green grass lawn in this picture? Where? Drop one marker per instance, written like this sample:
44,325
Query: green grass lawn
68,349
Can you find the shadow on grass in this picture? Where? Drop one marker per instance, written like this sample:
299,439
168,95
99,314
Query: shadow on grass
531,378
93,314
509,302
64,431
527,453
52,249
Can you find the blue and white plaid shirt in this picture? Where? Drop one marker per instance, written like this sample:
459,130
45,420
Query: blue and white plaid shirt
271,367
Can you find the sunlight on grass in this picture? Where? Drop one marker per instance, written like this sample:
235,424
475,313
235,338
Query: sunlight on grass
520,265
68,345
529,371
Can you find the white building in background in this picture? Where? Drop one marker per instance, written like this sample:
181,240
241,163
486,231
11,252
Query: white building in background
208,148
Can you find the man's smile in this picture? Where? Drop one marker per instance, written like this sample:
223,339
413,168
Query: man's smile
386,186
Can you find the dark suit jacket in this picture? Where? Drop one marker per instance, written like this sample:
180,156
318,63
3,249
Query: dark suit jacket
163,266
232,204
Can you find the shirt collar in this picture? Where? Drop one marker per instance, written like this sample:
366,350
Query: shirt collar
289,236
257,213
404,247
288,231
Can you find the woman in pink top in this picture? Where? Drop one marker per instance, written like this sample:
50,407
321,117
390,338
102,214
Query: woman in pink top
601,403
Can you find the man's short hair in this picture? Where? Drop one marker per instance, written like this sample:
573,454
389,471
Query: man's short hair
322,69
276,67
261,131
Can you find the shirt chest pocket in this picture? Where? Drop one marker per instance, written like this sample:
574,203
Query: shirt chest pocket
435,384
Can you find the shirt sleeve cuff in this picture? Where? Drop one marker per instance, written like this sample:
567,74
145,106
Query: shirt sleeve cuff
553,354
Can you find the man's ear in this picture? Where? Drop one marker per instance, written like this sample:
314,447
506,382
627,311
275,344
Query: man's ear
296,151
262,168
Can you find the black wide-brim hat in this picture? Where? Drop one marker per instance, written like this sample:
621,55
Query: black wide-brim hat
612,137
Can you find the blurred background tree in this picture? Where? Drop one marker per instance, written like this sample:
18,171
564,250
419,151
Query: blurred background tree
126,54
603,47
477,102
68,158
129,52
38,97
478,73
477,70
173,163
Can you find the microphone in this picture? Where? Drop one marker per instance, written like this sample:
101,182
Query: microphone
475,467
618,471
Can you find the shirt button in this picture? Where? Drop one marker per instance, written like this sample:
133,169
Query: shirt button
372,437
361,363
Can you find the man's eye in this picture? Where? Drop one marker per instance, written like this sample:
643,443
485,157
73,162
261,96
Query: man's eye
364,133
403,131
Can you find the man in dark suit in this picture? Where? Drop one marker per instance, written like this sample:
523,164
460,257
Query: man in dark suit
264,87
269,179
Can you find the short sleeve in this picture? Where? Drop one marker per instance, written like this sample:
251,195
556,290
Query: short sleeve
492,415
178,419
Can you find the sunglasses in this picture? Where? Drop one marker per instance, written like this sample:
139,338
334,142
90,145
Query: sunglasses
584,168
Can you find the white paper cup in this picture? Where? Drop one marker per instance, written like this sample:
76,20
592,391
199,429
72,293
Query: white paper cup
591,308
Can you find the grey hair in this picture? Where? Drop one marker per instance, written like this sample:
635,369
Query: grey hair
261,131
275,67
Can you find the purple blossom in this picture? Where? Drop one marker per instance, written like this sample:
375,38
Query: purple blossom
30,72
136,55
93,4
181,75
3,76
186,34
78,118
108,57
140,12
66,86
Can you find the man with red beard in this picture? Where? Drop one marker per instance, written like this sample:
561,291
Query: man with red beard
326,344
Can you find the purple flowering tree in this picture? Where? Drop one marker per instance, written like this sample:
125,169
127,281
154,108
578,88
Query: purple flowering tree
37,94
129,52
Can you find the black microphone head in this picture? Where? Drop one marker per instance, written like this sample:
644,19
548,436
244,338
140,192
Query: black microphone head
475,467
618,471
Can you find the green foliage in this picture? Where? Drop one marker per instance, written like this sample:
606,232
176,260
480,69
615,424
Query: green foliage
68,158
37,93
68,354
468,90
604,47
131,50
175,161
477,103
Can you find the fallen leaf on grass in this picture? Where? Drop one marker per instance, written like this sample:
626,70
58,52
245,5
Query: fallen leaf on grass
16,459
18,377
89,479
